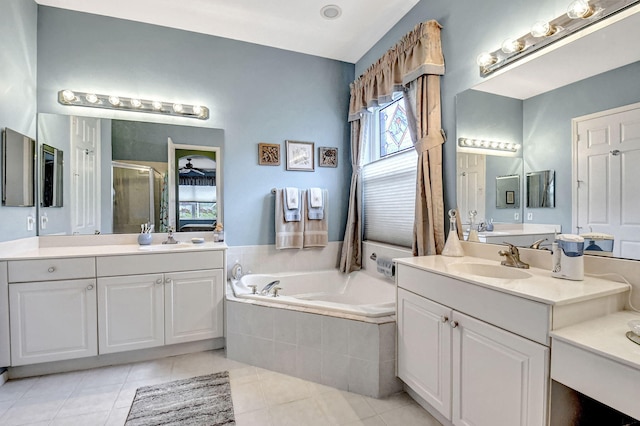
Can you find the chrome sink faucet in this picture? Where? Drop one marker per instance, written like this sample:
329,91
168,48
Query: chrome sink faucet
170,239
512,257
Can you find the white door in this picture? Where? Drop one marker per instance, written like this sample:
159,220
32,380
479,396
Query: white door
130,312
52,321
85,173
608,155
471,185
424,349
499,378
193,306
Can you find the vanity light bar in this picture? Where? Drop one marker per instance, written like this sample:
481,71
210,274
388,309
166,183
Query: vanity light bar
486,144
71,98
580,14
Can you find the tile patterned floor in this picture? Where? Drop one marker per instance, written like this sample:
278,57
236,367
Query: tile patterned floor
102,396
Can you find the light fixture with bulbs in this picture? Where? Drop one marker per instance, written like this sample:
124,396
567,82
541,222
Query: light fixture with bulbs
72,98
580,14
488,144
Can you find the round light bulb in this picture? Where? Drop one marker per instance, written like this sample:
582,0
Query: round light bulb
517,147
197,110
511,45
477,143
501,145
157,105
494,145
509,146
91,98
136,103
68,96
580,9
543,29
485,59
177,107
114,100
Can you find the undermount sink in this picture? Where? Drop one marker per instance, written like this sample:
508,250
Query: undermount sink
165,247
489,271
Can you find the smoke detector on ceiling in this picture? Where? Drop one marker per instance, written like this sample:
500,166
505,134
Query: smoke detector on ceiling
331,11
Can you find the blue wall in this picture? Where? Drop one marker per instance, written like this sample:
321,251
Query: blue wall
18,22
255,93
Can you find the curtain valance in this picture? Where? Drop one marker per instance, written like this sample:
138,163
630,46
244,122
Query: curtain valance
418,53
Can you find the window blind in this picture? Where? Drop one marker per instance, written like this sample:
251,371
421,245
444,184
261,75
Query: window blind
389,194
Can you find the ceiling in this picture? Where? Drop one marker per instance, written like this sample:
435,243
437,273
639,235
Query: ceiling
295,25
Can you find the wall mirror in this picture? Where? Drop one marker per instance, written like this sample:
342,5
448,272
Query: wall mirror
51,166
18,169
541,189
120,174
564,85
508,192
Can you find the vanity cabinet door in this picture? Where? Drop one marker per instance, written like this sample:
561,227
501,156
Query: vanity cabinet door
193,306
499,378
130,312
424,349
52,321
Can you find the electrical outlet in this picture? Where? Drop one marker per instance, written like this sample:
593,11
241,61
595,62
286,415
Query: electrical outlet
516,216
529,216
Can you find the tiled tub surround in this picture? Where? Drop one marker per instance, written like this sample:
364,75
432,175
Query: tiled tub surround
339,350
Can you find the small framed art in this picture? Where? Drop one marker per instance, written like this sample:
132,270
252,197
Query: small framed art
300,156
269,154
327,156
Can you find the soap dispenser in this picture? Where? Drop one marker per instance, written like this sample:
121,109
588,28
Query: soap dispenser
453,247
473,230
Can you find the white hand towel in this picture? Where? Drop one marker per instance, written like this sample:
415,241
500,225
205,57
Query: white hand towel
315,197
315,213
292,215
292,196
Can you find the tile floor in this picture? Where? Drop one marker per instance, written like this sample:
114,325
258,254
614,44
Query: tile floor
102,396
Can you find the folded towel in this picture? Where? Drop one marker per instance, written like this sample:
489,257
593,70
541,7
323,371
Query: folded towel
315,212
316,232
292,198
289,234
315,197
291,214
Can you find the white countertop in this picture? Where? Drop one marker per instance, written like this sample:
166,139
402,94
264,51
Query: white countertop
605,336
540,286
109,250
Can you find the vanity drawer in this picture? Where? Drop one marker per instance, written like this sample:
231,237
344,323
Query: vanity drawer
524,317
51,269
111,266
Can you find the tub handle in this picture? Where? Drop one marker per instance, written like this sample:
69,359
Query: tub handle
254,288
276,290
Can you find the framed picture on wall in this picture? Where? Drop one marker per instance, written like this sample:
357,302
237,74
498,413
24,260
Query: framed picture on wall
300,156
327,156
269,154
511,197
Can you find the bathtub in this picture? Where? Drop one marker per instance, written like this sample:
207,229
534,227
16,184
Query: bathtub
357,293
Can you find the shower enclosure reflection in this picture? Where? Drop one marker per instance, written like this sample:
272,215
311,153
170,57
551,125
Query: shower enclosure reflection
136,197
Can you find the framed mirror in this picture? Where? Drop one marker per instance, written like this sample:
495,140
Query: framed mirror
541,189
51,167
18,169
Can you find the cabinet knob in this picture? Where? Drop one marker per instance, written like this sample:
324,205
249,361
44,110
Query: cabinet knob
90,287
167,281
51,269
444,319
454,324
159,281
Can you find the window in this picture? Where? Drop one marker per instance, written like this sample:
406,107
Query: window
389,178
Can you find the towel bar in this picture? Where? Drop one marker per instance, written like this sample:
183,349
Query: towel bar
273,190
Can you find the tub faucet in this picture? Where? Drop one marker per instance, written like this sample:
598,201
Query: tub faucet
512,257
265,290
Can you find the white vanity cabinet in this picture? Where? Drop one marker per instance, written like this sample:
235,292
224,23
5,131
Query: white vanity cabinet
171,299
52,310
455,357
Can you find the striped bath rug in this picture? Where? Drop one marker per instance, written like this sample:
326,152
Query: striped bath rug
203,400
